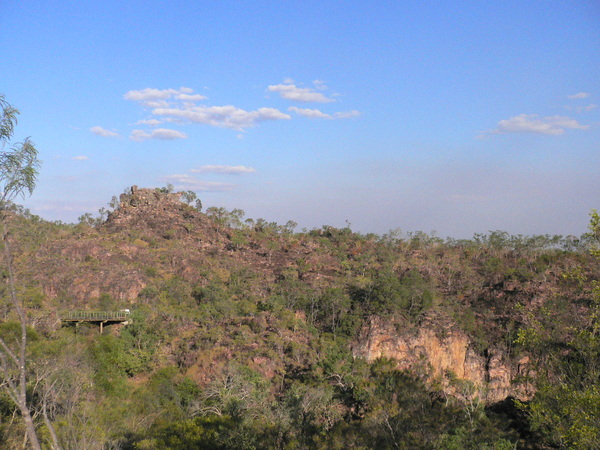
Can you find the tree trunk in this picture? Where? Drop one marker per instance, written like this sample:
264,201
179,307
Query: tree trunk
56,445
30,428
20,390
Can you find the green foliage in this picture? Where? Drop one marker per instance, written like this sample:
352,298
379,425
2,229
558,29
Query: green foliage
409,294
594,233
231,219
10,332
167,396
189,197
169,188
236,392
201,432
334,306
117,358
140,340
213,300
106,302
19,165
566,408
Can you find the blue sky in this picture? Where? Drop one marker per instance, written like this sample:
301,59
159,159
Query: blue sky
448,117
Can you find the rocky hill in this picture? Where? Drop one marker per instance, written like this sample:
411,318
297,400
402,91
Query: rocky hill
252,322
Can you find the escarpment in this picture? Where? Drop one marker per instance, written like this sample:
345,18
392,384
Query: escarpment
448,359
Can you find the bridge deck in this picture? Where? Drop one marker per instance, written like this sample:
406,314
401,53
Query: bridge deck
95,316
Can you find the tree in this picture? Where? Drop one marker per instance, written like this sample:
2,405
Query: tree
169,188
18,174
566,408
189,197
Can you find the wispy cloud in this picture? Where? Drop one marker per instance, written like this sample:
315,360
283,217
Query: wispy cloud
181,106
159,98
222,116
578,96
311,113
346,114
191,97
318,114
80,158
581,109
159,133
99,131
188,182
229,170
150,122
58,206
320,85
149,94
532,123
290,91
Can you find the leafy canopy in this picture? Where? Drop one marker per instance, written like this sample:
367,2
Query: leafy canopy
19,165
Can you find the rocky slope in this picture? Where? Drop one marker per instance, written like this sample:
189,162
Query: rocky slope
153,239
449,359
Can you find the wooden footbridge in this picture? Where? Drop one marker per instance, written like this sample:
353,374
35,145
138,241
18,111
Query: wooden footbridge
100,317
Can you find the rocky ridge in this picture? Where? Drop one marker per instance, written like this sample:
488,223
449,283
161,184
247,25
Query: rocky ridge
153,233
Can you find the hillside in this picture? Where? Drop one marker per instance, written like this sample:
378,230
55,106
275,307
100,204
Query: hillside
247,334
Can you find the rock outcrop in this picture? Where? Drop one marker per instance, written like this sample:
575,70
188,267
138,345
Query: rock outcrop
149,209
148,197
446,357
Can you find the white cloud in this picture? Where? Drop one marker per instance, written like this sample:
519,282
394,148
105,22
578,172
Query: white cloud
80,158
236,170
578,96
318,114
187,182
139,135
532,123
99,131
190,97
164,133
158,98
222,116
320,85
290,91
346,114
159,133
312,113
149,94
180,106
150,122
581,109
155,103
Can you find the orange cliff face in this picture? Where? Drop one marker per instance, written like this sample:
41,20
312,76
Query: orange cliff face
446,357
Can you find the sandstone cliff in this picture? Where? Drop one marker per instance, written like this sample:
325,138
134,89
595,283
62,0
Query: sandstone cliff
447,357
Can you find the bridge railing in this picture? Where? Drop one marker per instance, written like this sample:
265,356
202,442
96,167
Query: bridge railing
95,315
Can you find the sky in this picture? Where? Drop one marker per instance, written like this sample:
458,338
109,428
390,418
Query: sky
447,117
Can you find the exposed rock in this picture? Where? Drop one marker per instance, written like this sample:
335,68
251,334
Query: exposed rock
151,209
148,197
448,359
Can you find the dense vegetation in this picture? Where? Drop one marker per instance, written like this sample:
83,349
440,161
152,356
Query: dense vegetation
243,333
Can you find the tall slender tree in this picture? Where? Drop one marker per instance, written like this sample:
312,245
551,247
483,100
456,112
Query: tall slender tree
19,165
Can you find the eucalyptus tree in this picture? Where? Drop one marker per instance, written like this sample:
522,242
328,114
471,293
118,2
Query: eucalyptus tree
19,166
